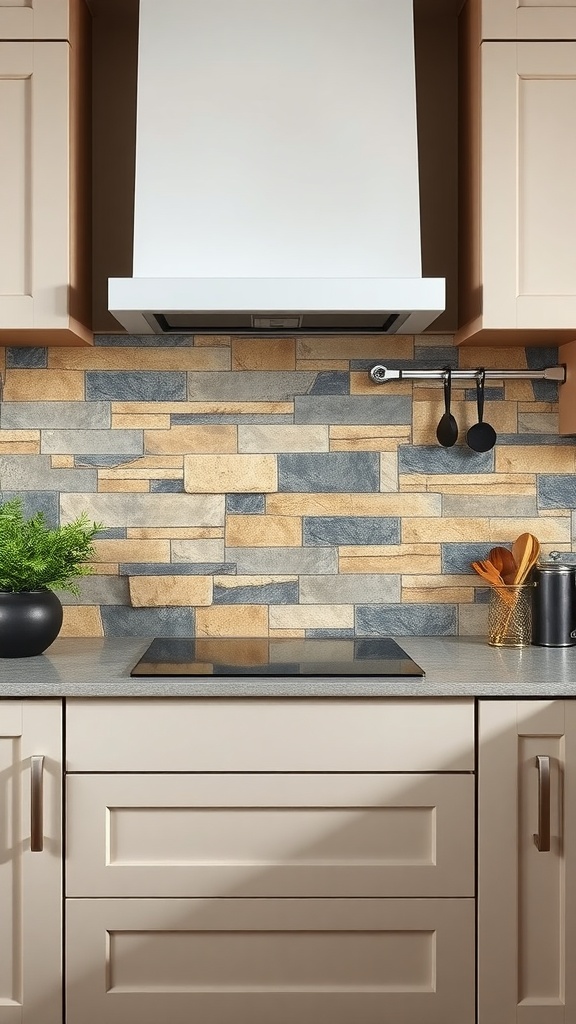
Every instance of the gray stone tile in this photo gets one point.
(430, 357)
(539, 439)
(283, 561)
(538, 423)
(538, 357)
(349, 472)
(556, 491)
(456, 557)
(136, 385)
(407, 620)
(186, 419)
(545, 390)
(248, 385)
(334, 530)
(177, 569)
(331, 382)
(103, 460)
(264, 593)
(490, 394)
(120, 621)
(435, 459)
(245, 504)
(79, 442)
(355, 409)
(129, 509)
(167, 486)
(26, 358)
(73, 415)
(100, 590)
(472, 620)
(116, 533)
(330, 634)
(488, 505)
(144, 340)
(34, 473)
(203, 549)
(36, 501)
(361, 588)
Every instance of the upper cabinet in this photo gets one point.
(517, 172)
(45, 265)
(526, 19)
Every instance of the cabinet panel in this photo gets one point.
(224, 961)
(30, 880)
(34, 19)
(270, 835)
(270, 735)
(528, 19)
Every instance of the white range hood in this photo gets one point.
(276, 171)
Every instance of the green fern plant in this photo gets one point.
(35, 557)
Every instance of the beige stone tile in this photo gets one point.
(219, 474)
(193, 439)
(104, 568)
(2, 358)
(132, 550)
(555, 512)
(141, 358)
(492, 358)
(155, 462)
(382, 444)
(174, 532)
(49, 385)
(344, 432)
(144, 421)
(378, 347)
(518, 391)
(140, 473)
(81, 620)
(322, 364)
(232, 620)
(210, 340)
(412, 482)
(446, 580)
(283, 437)
(438, 595)
(534, 458)
(434, 340)
(353, 504)
(443, 529)
(232, 582)
(406, 559)
(290, 634)
(389, 471)
(170, 591)
(271, 354)
(62, 461)
(263, 531)
(201, 550)
(362, 384)
(312, 616)
(488, 491)
(136, 486)
(19, 442)
(232, 408)
(552, 529)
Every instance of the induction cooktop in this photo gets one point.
(261, 656)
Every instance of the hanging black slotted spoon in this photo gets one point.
(447, 429)
(481, 437)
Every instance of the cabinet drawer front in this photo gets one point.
(224, 961)
(248, 735)
(34, 19)
(528, 19)
(270, 835)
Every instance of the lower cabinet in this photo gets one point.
(30, 862)
(527, 862)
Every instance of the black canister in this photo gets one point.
(554, 605)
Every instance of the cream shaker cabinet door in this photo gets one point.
(261, 961)
(30, 862)
(35, 19)
(270, 835)
(527, 19)
(527, 862)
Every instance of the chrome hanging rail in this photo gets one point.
(382, 374)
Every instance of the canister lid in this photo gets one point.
(558, 561)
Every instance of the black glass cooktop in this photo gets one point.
(258, 656)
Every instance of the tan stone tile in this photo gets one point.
(518, 391)
(378, 347)
(322, 364)
(491, 490)
(49, 385)
(174, 532)
(104, 568)
(312, 616)
(232, 408)
(201, 550)
(555, 512)
(533, 458)
(141, 358)
(290, 634)
(170, 591)
(368, 438)
(263, 531)
(444, 528)
(145, 421)
(219, 474)
(422, 559)
(62, 461)
(434, 340)
(136, 486)
(19, 442)
(553, 529)
(538, 407)
(352, 432)
(193, 439)
(255, 354)
(382, 444)
(362, 384)
(492, 358)
(131, 550)
(139, 473)
(283, 437)
(412, 482)
(232, 620)
(2, 358)
(389, 472)
(81, 620)
(446, 580)
(300, 504)
(210, 340)
(438, 595)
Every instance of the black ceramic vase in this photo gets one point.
(29, 622)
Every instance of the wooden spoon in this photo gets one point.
(503, 560)
(526, 551)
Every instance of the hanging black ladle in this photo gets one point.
(447, 429)
(481, 437)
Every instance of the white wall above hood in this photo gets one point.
(276, 170)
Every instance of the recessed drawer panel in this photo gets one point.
(254, 735)
(230, 961)
(270, 835)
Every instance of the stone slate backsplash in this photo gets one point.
(253, 487)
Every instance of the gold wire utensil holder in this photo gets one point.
(510, 616)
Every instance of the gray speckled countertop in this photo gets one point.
(454, 666)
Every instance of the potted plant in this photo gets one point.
(34, 562)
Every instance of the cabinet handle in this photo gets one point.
(542, 837)
(37, 803)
